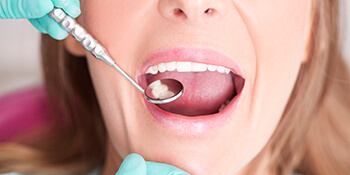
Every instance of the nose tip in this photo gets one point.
(191, 11)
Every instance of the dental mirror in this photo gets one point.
(158, 92)
(163, 91)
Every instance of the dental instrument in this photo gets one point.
(158, 92)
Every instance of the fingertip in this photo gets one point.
(37, 8)
(74, 12)
(134, 157)
(61, 3)
(133, 164)
(162, 168)
(73, 9)
(59, 35)
(46, 6)
(52, 28)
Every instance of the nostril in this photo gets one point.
(209, 11)
(179, 10)
(180, 13)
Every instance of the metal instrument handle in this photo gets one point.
(88, 42)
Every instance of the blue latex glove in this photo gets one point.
(37, 13)
(134, 164)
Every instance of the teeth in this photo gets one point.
(212, 68)
(223, 105)
(227, 71)
(166, 94)
(221, 69)
(186, 67)
(161, 67)
(170, 66)
(152, 70)
(160, 90)
(154, 84)
(198, 67)
(183, 66)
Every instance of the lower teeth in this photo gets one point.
(224, 105)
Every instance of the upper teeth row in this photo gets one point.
(185, 67)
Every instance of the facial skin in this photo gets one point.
(266, 38)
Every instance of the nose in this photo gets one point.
(190, 11)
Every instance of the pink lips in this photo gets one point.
(184, 125)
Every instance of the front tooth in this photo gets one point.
(198, 67)
(221, 69)
(212, 68)
(170, 66)
(161, 67)
(183, 66)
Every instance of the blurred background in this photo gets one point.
(20, 57)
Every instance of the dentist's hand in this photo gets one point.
(134, 164)
(37, 13)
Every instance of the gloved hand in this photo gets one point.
(134, 164)
(37, 13)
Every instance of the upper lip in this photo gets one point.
(200, 55)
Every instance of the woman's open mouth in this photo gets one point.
(212, 82)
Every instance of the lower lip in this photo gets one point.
(193, 126)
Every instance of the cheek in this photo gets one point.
(103, 78)
(279, 28)
(280, 31)
(113, 22)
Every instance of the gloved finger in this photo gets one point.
(61, 3)
(155, 168)
(53, 28)
(73, 9)
(37, 25)
(132, 164)
(15, 9)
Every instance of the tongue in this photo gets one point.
(204, 92)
